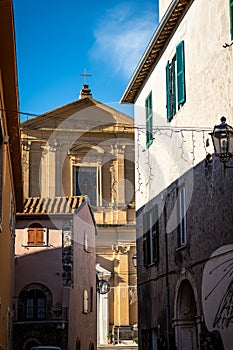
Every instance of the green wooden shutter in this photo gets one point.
(231, 18)
(149, 117)
(173, 87)
(168, 92)
(180, 73)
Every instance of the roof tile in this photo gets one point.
(53, 205)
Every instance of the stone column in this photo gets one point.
(52, 170)
(118, 175)
(121, 283)
(102, 308)
(102, 318)
(25, 164)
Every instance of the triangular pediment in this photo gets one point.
(83, 114)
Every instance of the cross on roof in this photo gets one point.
(85, 75)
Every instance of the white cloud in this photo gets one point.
(122, 35)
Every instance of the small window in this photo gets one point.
(37, 235)
(78, 344)
(150, 237)
(182, 234)
(85, 302)
(175, 82)
(149, 120)
(85, 242)
(91, 299)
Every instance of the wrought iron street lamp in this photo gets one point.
(102, 286)
(222, 137)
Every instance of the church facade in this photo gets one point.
(86, 148)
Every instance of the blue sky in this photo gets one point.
(56, 40)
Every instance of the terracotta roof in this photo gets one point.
(155, 48)
(52, 205)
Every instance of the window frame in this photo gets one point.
(182, 216)
(151, 237)
(36, 231)
(98, 192)
(149, 120)
(175, 82)
(33, 308)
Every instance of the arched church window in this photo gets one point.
(34, 302)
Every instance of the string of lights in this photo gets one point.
(158, 128)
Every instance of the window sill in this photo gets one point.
(151, 264)
(34, 245)
(182, 247)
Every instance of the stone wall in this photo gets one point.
(209, 226)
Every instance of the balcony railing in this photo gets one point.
(38, 313)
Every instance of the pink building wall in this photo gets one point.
(43, 265)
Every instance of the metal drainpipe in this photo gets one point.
(167, 299)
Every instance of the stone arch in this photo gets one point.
(186, 311)
(86, 147)
(78, 344)
(31, 342)
(91, 346)
(35, 225)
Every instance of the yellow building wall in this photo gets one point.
(6, 248)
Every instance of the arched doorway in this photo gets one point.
(185, 318)
(30, 343)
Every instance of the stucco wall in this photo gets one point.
(82, 325)
(208, 77)
(39, 264)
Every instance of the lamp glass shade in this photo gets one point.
(103, 286)
(222, 137)
(134, 260)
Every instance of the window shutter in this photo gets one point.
(39, 235)
(155, 234)
(231, 18)
(154, 242)
(168, 92)
(145, 257)
(173, 88)
(31, 236)
(149, 114)
(180, 73)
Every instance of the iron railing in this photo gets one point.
(38, 313)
